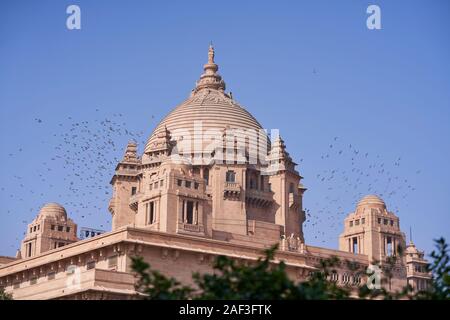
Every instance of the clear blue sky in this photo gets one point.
(310, 68)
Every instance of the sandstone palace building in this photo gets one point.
(210, 182)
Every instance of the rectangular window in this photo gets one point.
(351, 223)
(392, 222)
(34, 228)
(67, 229)
(150, 186)
(230, 176)
(133, 191)
(357, 222)
(179, 182)
(385, 221)
(151, 214)
(31, 229)
(112, 261)
(196, 185)
(389, 248)
(291, 188)
(206, 175)
(52, 227)
(161, 183)
(90, 265)
(60, 228)
(156, 185)
(190, 212)
(355, 248)
(29, 250)
(261, 186)
(39, 226)
(363, 220)
(187, 184)
(379, 220)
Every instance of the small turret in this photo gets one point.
(125, 188)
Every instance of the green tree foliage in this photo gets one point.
(4, 295)
(440, 269)
(266, 280)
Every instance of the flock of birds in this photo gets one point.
(85, 154)
(347, 174)
(76, 174)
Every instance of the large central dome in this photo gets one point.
(209, 107)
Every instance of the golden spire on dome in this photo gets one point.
(210, 79)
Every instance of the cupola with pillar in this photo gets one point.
(372, 230)
(51, 229)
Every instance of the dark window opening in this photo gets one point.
(206, 175)
(355, 248)
(133, 191)
(389, 248)
(150, 212)
(190, 212)
(29, 250)
(291, 188)
(230, 176)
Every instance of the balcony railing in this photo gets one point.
(231, 189)
(134, 200)
(259, 198)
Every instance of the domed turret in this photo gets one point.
(371, 201)
(372, 230)
(51, 229)
(53, 210)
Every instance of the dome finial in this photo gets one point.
(211, 53)
(210, 78)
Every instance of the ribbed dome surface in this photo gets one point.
(371, 201)
(53, 210)
(206, 114)
(211, 109)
